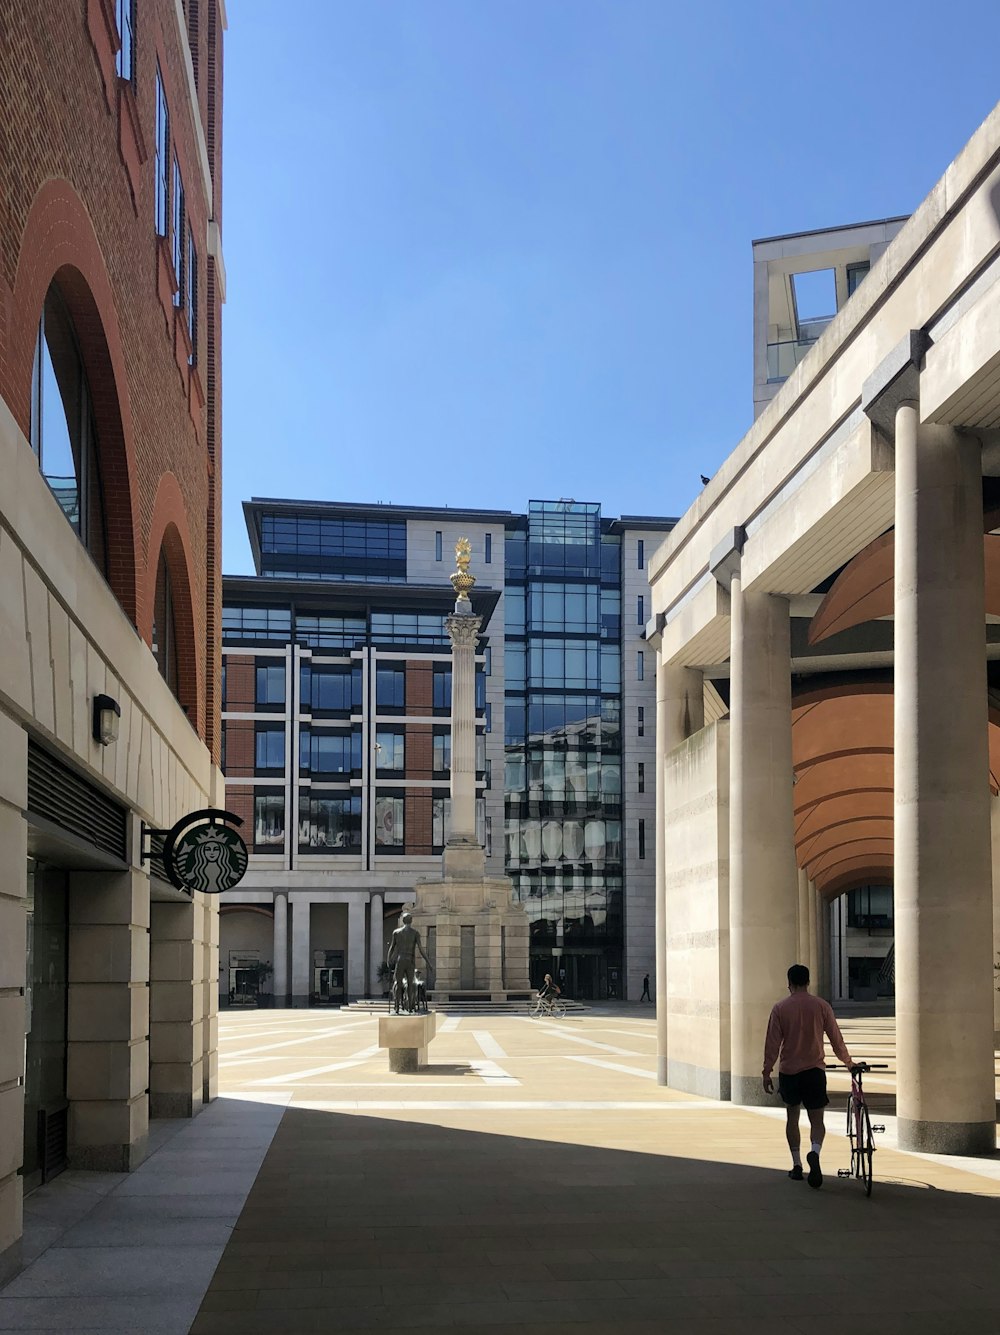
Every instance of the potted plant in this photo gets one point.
(262, 971)
(384, 975)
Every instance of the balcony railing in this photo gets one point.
(782, 358)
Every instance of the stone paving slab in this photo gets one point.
(568, 1191)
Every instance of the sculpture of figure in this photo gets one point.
(401, 960)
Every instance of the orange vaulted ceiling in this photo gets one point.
(863, 591)
(842, 753)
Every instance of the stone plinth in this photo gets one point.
(406, 1037)
(479, 941)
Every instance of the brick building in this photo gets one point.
(111, 283)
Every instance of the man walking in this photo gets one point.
(795, 1031)
(645, 989)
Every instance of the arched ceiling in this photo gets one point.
(842, 756)
(863, 591)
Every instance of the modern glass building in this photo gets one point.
(336, 712)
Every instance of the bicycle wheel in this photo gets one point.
(866, 1148)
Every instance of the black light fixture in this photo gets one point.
(107, 713)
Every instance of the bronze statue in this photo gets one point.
(401, 960)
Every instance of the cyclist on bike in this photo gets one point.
(548, 992)
(795, 1030)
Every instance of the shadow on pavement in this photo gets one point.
(359, 1222)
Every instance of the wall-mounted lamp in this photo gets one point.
(107, 713)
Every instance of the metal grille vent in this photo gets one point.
(60, 795)
(52, 1130)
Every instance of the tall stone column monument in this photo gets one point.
(474, 931)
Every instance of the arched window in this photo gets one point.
(165, 626)
(62, 427)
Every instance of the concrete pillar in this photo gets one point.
(802, 919)
(823, 946)
(995, 832)
(107, 1060)
(376, 944)
(943, 866)
(356, 947)
(812, 929)
(680, 711)
(301, 950)
(13, 891)
(763, 878)
(463, 631)
(279, 959)
(176, 1020)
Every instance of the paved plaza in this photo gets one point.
(533, 1176)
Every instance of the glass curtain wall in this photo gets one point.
(562, 739)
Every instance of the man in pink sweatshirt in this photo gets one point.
(795, 1030)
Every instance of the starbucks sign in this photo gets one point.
(203, 852)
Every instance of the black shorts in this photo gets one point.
(804, 1087)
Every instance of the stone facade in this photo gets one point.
(109, 583)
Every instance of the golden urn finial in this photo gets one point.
(461, 581)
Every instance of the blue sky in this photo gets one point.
(481, 251)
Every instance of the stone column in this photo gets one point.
(356, 961)
(463, 631)
(995, 831)
(279, 983)
(943, 865)
(107, 1060)
(176, 1020)
(802, 920)
(680, 711)
(13, 892)
(812, 927)
(822, 946)
(376, 944)
(301, 951)
(763, 878)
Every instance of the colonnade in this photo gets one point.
(942, 838)
(292, 981)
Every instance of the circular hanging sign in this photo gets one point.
(202, 854)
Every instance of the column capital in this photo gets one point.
(726, 557)
(463, 630)
(895, 380)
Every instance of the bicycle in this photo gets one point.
(552, 1007)
(860, 1131)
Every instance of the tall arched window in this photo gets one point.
(165, 626)
(62, 426)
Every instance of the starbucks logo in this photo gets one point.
(202, 854)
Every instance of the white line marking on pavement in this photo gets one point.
(450, 1024)
(614, 1066)
(492, 1074)
(498, 1105)
(589, 1042)
(355, 1059)
(252, 1053)
(490, 1047)
(626, 1033)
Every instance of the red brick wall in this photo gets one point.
(77, 207)
(241, 683)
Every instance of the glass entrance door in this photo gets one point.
(45, 1105)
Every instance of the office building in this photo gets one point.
(336, 709)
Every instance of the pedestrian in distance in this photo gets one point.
(795, 1041)
(645, 989)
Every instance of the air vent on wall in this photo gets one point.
(64, 797)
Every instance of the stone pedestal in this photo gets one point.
(480, 934)
(406, 1037)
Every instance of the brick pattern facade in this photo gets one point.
(77, 208)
